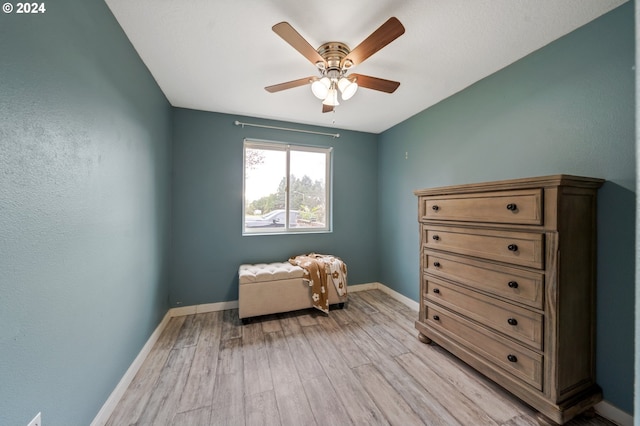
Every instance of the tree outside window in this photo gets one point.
(286, 188)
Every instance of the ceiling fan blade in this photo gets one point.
(375, 83)
(385, 34)
(327, 108)
(289, 84)
(291, 36)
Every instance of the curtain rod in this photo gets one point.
(333, 135)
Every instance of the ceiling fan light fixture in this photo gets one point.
(334, 59)
(347, 88)
(332, 98)
(320, 88)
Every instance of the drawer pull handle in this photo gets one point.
(512, 207)
(512, 321)
(436, 318)
(435, 208)
(436, 290)
(513, 284)
(436, 264)
(512, 358)
(512, 247)
(436, 237)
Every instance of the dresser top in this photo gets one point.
(521, 183)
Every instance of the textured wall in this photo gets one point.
(636, 404)
(567, 108)
(85, 139)
(84, 212)
(207, 206)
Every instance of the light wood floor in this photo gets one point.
(362, 365)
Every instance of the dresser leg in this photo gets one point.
(424, 339)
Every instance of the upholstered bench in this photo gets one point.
(270, 288)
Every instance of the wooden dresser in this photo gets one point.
(508, 274)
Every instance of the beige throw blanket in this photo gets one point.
(318, 269)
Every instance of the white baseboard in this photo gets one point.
(410, 303)
(394, 294)
(614, 414)
(362, 287)
(200, 309)
(107, 409)
(603, 408)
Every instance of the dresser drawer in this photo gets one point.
(519, 248)
(509, 356)
(515, 322)
(514, 284)
(523, 207)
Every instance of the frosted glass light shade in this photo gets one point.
(332, 98)
(320, 88)
(347, 88)
(342, 83)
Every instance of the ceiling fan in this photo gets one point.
(334, 59)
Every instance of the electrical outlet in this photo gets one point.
(37, 421)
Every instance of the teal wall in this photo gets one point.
(87, 202)
(208, 245)
(567, 108)
(84, 211)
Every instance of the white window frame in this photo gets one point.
(287, 148)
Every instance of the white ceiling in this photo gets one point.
(218, 55)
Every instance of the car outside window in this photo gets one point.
(286, 188)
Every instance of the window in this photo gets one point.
(286, 188)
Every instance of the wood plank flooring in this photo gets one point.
(362, 365)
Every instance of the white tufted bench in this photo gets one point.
(270, 288)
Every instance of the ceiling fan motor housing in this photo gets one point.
(333, 53)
